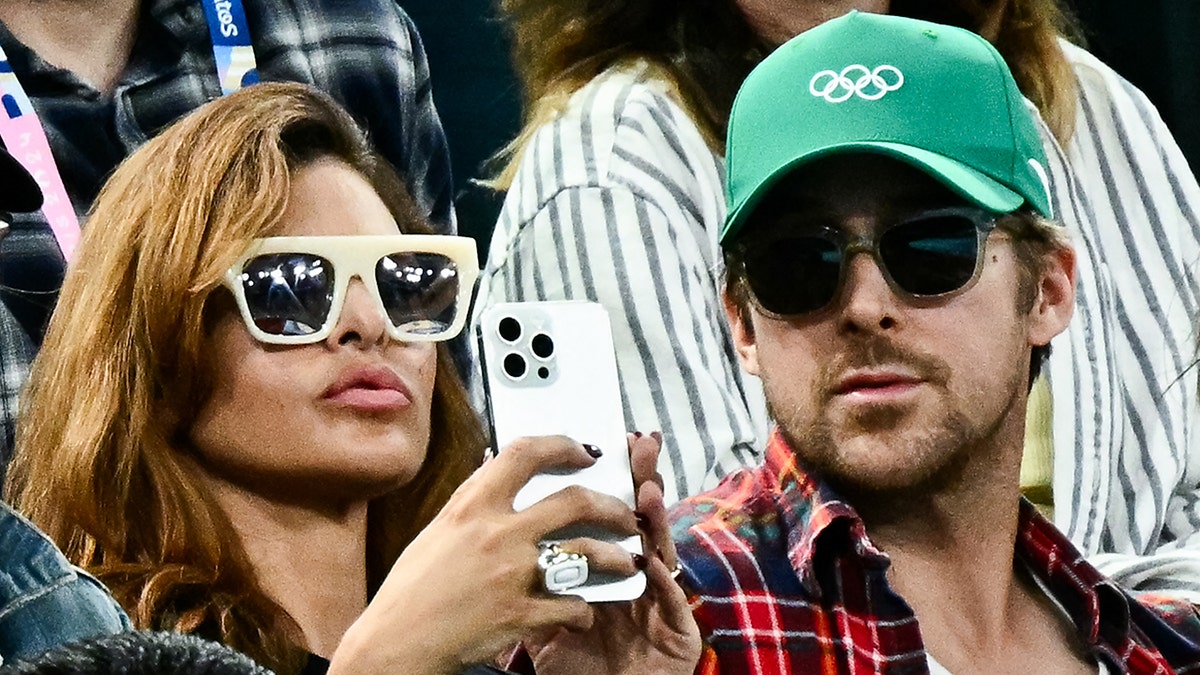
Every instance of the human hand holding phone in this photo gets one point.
(468, 586)
(550, 369)
(655, 633)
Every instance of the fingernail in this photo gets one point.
(639, 561)
(637, 434)
(592, 450)
(656, 435)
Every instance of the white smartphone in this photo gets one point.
(549, 368)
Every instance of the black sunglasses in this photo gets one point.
(932, 254)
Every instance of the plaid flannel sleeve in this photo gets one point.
(429, 163)
(16, 353)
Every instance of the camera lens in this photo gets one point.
(542, 346)
(514, 366)
(509, 329)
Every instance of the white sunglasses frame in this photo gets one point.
(355, 256)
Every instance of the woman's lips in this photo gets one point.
(369, 389)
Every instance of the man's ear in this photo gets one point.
(743, 333)
(1055, 301)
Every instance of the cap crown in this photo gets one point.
(937, 97)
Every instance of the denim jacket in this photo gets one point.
(44, 600)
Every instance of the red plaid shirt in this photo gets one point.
(783, 579)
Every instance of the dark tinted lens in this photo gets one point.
(419, 291)
(288, 293)
(794, 276)
(931, 256)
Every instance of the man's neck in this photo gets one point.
(953, 542)
(90, 38)
(952, 560)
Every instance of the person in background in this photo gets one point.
(615, 194)
(894, 281)
(19, 193)
(245, 421)
(44, 600)
(84, 84)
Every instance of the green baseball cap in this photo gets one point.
(936, 97)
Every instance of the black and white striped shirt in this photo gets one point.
(619, 200)
(1127, 459)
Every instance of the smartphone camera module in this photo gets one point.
(526, 355)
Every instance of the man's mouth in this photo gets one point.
(877, 384)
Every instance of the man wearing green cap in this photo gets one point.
(895, 281)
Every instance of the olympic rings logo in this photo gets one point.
(856, 80)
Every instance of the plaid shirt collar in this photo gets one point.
(809, 510)
(812, 512)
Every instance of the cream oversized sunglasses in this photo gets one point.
(290, 290)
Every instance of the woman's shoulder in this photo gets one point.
(23, 545)
(1118, 121)
(625, 129)
(1099, 84)
(628, 112)
(44, 600)
(632, 90)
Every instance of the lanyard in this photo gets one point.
(26, 140)
(231, 44)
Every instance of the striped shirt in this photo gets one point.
(782, 577)
(619, 201)
(1127, 451)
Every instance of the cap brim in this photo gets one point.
(970, 184)
(19, 192)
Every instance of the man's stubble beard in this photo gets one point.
(943, 451)
(943, 447)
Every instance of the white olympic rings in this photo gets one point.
(866, 83)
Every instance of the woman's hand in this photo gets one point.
(469, 585)
(653, 634)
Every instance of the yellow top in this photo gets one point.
(1037, 464)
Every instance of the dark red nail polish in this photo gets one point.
(637, 434)
(656, 435)
(639, 561)
(592, 450)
